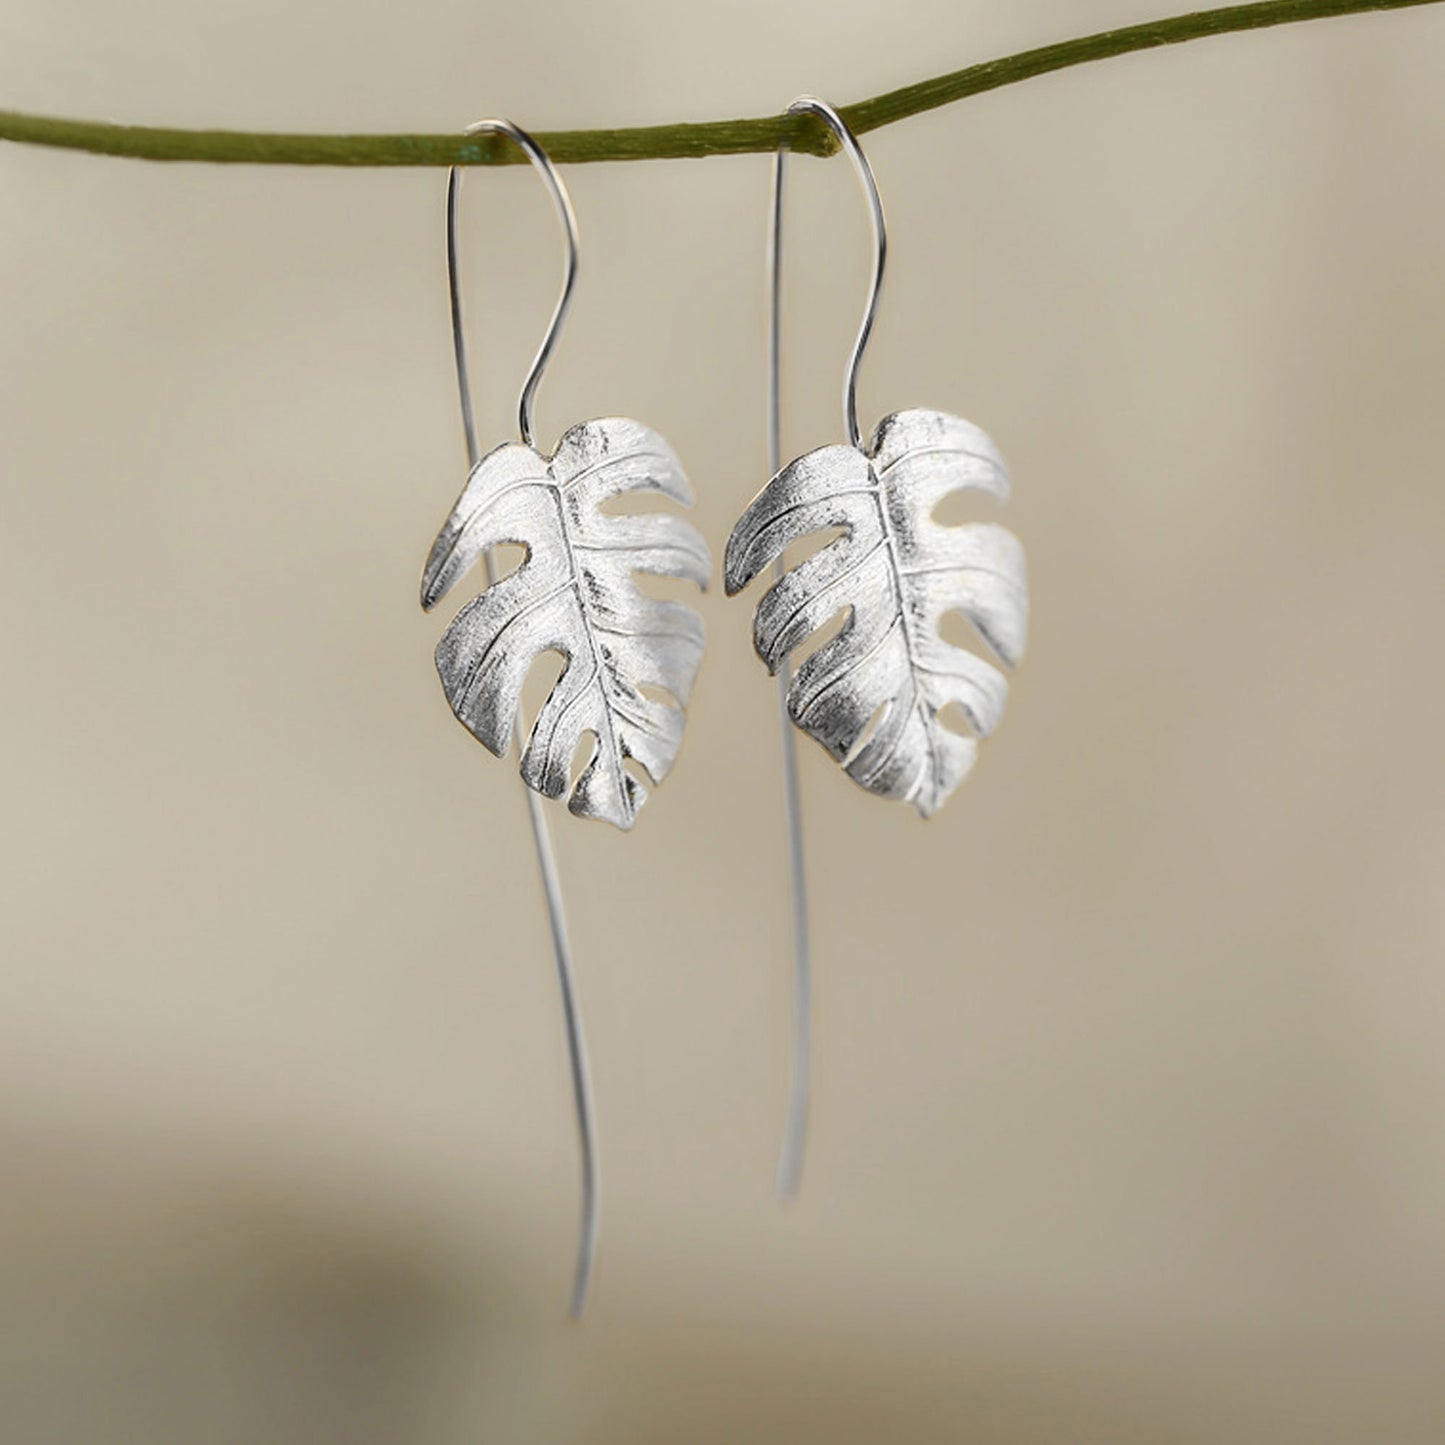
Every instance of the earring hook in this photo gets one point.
(811, 105)
(582, 1103)
(790, 1157)
(542, 163)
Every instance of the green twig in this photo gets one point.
(656, 142)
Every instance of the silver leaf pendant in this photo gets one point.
(575, 594)
(873, 694)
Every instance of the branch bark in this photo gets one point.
(659, 142)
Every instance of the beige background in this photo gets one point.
(1129, 1067)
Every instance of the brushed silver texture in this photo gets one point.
(873, 695)
(575, 594)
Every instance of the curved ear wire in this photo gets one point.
(563, 202)
(811, 105)
(790, 1159)
(546, 858)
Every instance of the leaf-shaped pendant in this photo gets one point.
(872, 695)
(575, 594)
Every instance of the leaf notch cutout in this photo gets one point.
(574, 593)
(873, 694)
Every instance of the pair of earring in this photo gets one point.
(872, 695)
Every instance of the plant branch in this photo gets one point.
(657, 142)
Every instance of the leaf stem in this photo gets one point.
(659, 142)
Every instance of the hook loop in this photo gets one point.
(811, 105)
(542, 163)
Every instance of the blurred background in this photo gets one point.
(1128, 1067)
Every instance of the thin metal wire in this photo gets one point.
(541, 836)
(563, 202)
(795, 1133)
(811, 105)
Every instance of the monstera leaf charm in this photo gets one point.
(575, 594)
(872, 695)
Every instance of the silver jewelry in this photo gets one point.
(874, 695)
(573, 594)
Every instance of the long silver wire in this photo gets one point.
(541, 836)
(795, 1132)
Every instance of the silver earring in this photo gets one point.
(573, 594)
(874, 694)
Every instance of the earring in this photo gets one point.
(574, 595)
(874, 694)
